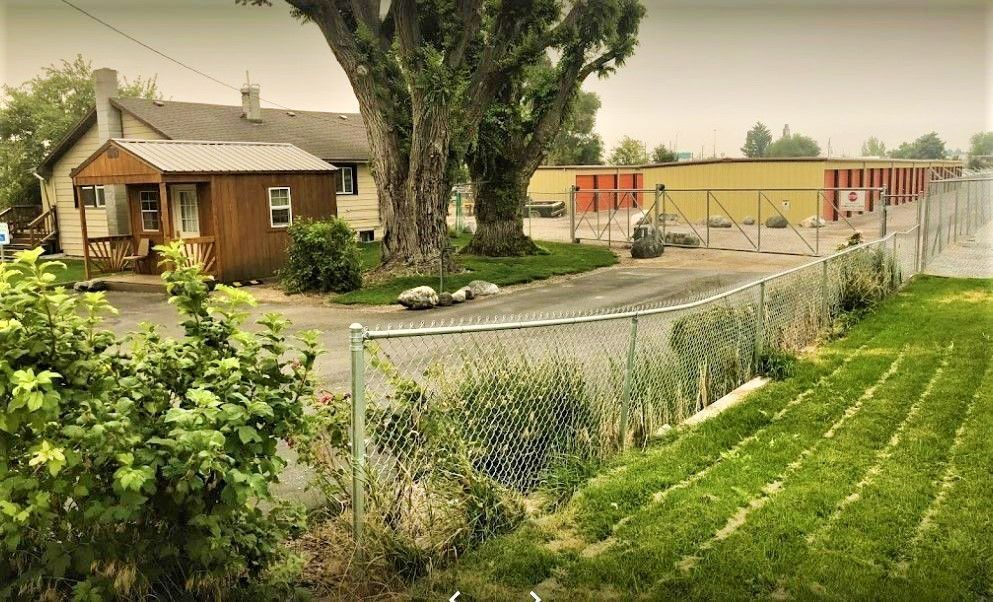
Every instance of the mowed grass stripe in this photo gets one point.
(655, 539)
(827, 468)
(955, 559)
(606, 502)
(775, 535)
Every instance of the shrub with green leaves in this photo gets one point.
(142, 466)
(323, 256)
(865, 277)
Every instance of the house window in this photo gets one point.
(92, 196)
(280, 213)
(149, 205)
(346, 180)
(367, 235)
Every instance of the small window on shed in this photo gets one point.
(280, 211)
(149, 205)
(367, 235)
(92, 196)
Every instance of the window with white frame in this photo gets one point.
(280, 212)
(92, 196)
(148, 201)
(345, 180)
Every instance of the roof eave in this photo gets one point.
(77, 132)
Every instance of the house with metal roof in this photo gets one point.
(338, 139)
(230, 203)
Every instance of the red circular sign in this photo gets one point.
(853, 196)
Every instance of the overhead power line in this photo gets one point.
(164, 55)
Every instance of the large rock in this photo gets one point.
(421, 297)
(813, 222)
(776, 221)
(681, 239)
(90, 286)
(719, 221)
(482, 288)
(465, 290)
(458, 296)
(647, 247)
(748, 221)
(645, 230)
(445, 299)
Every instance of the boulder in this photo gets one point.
(748, 221)
(421, 297)
(681, 239)
(776, 221)
(482, 288)
(645, 230)
(445, 299)
(457, 297)
(647, 247)
(813, 222)
(465, 290)
(719, 221)
(90, 286)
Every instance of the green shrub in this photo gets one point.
(141, 467)
(565, 474)
(866, 277)
(714, 348)
(777, 364)
(323, 256)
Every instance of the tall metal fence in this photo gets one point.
(954, 208)
(436, 409)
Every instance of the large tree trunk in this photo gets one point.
(501, 193)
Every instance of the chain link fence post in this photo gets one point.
(825, 304)
(357, 346)
(759, 325)
(572, 214)
(628, 383)
(884, 201)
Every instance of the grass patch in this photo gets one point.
(864, 474)
(73, 273)
(561, 259)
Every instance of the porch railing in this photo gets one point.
(202, 251)
(19, 216)
(43, 228)
(108, 253)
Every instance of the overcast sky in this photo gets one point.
(833, 69)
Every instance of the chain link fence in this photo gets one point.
(447, 419)
(954, 209)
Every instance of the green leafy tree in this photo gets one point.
(794, 145)
(629, 151)
(40, 112)
(577, 143)
(662, 154)
(593, 38)
(928, 146)
(142, 468)
(981, 151)
(757, 141)
(873, 147)
(426, 74)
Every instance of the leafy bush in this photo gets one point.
(866, 277)
(323, 256)
(143, 466)
(777, 364)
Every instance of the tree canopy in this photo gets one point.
(981, 150)
(577, 143)
(928, 146)
(873, 147)
(794, 145)
(40, 112)
(757, 141)
(629, 151)
(662, 154)
(428, 74)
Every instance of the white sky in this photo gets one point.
(838, 69)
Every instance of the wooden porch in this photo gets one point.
(31, 226)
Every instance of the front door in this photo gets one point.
(186, 209)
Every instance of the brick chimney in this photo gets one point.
(250, 103)
(109, 125)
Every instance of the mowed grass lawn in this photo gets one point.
(562, 258)
(73, 271)
(869, 474)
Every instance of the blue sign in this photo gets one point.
(4, 234)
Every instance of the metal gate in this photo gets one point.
(766, 220)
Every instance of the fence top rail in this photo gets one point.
(987, 178)
(617, 315)
(775, 189)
